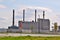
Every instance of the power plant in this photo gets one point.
(42, 25)
(39, 25)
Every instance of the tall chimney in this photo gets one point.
(13, 17)
(35, 14)
(43, 14)
(23, 15)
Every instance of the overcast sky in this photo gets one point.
(51, 8)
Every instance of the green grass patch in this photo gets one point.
(29, 38)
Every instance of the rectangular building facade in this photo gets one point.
(29, 26)
(42, 25)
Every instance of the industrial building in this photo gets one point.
(40, 26)
(13, 28)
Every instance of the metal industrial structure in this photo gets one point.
(13, 28)
(39, 26)
(42, 25)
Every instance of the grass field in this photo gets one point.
(29, 38)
